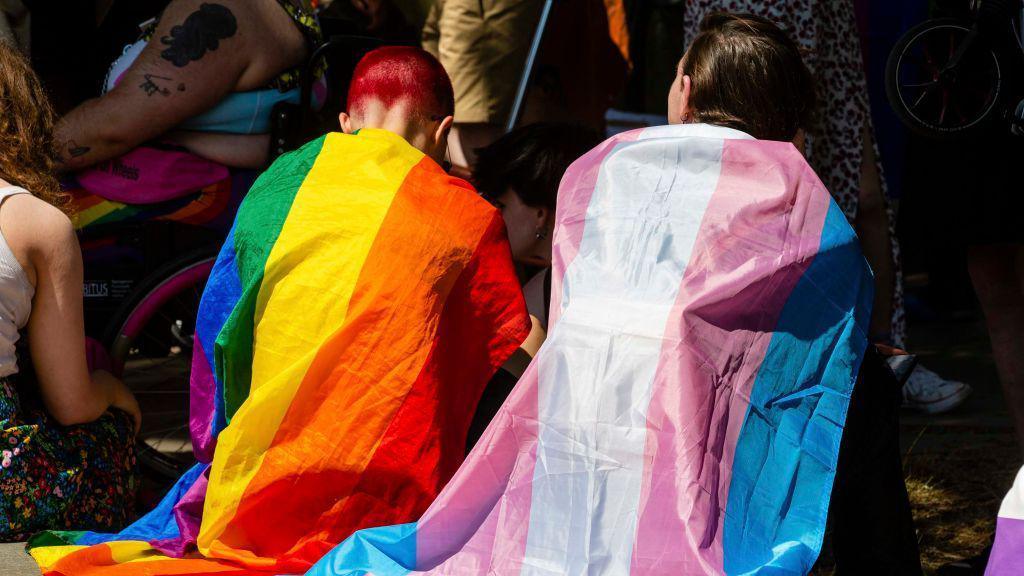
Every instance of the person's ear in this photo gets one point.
(543, 222)
(346, 123)
(441, 134)
(684, 100)
(544, 216)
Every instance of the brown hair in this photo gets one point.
(747, 73)
(27, 152)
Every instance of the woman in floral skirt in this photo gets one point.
(67, 436)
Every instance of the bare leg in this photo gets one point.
(872, 224)
(997, 272)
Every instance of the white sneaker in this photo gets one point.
(932, 394)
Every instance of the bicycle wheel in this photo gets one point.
(933, 98)
(150, 343)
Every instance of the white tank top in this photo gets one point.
(15, 296)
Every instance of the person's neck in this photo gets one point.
(410, 131)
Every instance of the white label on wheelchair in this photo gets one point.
(96, 289)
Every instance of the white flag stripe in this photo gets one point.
(1013, 503)
(641, 226)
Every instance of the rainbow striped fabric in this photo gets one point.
(211, 206)
(1007, 555)
(709, 312)
(356, 312)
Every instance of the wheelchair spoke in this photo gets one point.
(157, 369)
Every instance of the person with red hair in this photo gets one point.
(348, 260)
(405, 91)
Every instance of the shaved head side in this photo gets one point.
(395, 75)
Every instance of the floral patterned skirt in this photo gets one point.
(54, 477)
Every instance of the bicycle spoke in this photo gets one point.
(920, 85)
(920, 61)
(928, 57)
(920, 99)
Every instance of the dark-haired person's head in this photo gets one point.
(404, 90)
(744, 72)
(520, 173)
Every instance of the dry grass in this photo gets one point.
(956, 480)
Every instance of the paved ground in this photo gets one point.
(14, 561)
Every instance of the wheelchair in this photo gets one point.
(146, 266)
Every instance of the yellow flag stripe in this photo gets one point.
(303, 299)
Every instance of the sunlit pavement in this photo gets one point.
(15, 562)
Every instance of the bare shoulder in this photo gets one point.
(32, 225)
(259, 32)
(36, 213)
(223, 17)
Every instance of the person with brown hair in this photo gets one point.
(840, 145)
(744, 72)
(756, 99)
(69, 462)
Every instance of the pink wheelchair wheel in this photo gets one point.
(150, 343)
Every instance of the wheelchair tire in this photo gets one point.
(149, 339)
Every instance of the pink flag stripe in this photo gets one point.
(693, 429)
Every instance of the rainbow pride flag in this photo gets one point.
(1007, 557)
(709, 312)
(358, 308)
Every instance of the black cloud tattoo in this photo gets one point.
(200, 33)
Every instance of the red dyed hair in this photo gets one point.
(393, 74)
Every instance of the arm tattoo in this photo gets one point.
(74, 150)
(153, 84)
(200, 33)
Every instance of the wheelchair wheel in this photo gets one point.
(933, 98)
(150, 343)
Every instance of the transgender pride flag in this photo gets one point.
(709, 308)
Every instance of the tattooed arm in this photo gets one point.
(201, 51)
(237, 150)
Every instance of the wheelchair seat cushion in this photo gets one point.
(150, 174)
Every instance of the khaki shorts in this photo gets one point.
(483, 46)
(14, 24)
